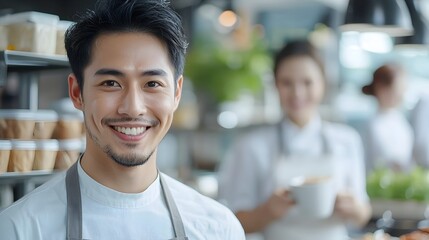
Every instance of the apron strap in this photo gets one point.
(74, 207)
(74, 204)
(284, 147)
(327, 148)
(176, 219)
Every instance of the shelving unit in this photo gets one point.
(28, 64)
(23, 182)
(16, 177)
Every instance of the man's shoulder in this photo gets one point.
(184, 194)
(202, 215)
(39, 212)
(203, 212)
(41, 199)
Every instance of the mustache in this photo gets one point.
(145, 121)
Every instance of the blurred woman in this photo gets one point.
(389, 136)
(255, 177)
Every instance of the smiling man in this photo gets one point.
(127, 60)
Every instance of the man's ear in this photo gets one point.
(74, 92)
(178, 92)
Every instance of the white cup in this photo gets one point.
(315, 196)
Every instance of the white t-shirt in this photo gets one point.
(108, 214)
(389, 141)
(246, 175)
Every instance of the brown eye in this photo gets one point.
(153, 84)
(110, 83)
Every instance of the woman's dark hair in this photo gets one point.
(384, 76)
(298, 48)
(110, 16)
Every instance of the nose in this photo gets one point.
(132, 103)
(297, 91)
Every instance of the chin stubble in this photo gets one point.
(128, 160)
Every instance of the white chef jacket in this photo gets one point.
(420, 125)
(108, 214)
(389, 141)
(246, 175)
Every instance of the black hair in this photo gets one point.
(297, 48)
(109, 16)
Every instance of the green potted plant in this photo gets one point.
(221, 71)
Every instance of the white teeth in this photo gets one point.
(130, 131)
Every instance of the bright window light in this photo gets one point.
(227, 119)
(351, 53)
(376, 42)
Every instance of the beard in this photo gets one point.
(126, 160)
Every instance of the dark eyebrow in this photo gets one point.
(155, 72)
(114, 72)
(108, 71)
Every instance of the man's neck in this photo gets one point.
(120, 178)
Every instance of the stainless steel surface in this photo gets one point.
(22, 183)
(27, 63)
(17, 177)
(30, 59)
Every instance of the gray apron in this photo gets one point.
(287, 166)
(74, 207)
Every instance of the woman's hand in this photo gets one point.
(279, 203)
(275, 207)
(348, 207)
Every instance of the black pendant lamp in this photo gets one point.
(420, 38)
(386, 16)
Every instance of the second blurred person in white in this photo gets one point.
(389, 136)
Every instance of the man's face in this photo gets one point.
(129, 96)
(300, 84)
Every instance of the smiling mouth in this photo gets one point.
(131, 131)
